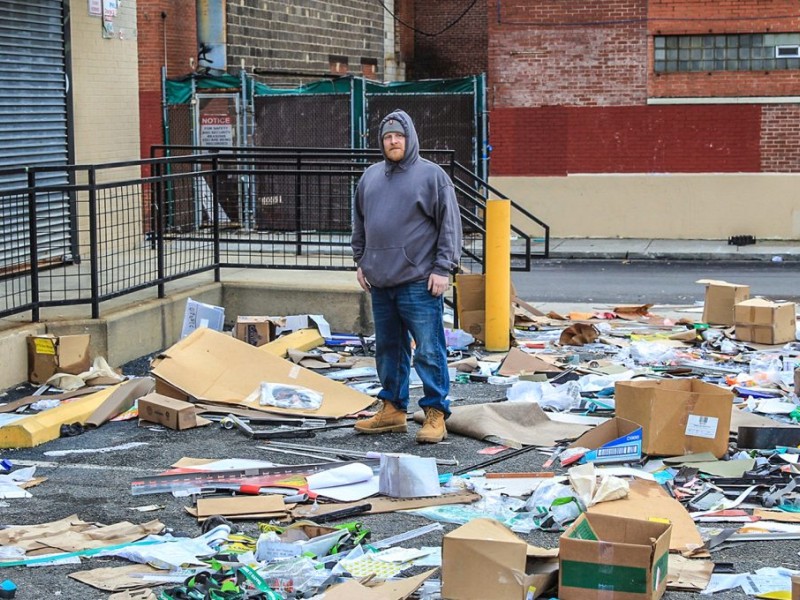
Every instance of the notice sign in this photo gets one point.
(216, 130)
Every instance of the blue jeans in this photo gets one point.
(401, 312)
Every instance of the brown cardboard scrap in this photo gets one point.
(381, 504)
(303, 339)
(121, 400)
(578, 334)
(50, 354)
(632, 311)
(27, 536)
(99, 536)
(145, 594)
(518, 361)
(688, 574)
(399, 589)
(28, 400)
(777, 515)
(114, 579)
(213, 367)
(240, 505)
(513, 422)
(646, 500)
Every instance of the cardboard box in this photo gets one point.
(721, 297)
(484, 559)
(51, 354)
(200, 314)
(795, 587)
(166, 411)
(255, 331)
(471, 305)
(616, 440)
(678, 416)
(765, 322)
(604, 557)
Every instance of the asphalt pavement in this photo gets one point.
(96, 487)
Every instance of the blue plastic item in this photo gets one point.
(8, 589)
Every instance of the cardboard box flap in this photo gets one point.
(721, 283)
(487, 530)
(214, 367)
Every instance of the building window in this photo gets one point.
(733, 52)
(338, 64)
(369, 67)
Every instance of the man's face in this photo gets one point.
(394, 146)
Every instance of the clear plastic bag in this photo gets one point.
(289, 396)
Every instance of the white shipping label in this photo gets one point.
(704, 427)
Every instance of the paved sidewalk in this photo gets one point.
(651, 249)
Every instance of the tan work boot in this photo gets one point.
(433, 430)
(389, 419)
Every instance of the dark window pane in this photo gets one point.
(708, 41)
(744, 65)
(696, 41)
(660, 66)
(733, 41)
(659, 41)
(719, 65)
(683, 54)
(708, 53)
(769, 64)
(793, 63)
(731, 65)
(744, 52)
(719, 53)
(696, 54)
(719, 41)
(745, 40)
(757, 65)
(731, 53)
(684, 42)
(780, 63)
(672, 66)
(757, 39)
(672, 55)
(672, 42)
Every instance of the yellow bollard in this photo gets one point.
(498, 275)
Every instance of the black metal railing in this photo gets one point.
(118, 228)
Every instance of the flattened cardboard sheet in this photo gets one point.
(214, 367)
(515, 422)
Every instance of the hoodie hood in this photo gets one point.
(412, 141)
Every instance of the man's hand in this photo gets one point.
(438, 284)
(362, 281)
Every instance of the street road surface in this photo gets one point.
(650, 281)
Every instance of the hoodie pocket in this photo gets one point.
(386, 267)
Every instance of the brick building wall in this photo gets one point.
(569, 54)
(780, 138)
(169, 40)
(699, 17)
(572, 89)
(459, 51)
(273, 35)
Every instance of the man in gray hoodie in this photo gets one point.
(406, 242)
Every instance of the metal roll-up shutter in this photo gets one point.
(33, 127)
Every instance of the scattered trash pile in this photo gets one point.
(658, 442)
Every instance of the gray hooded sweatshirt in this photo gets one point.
(406, 224)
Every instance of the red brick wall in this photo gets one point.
(569, 84)
(180, 27)
(674, 17)
(634, 139)
(567, 53)
(457, 52)
(780, 138)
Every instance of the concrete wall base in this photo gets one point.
(146, 327)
